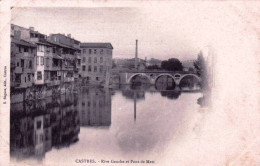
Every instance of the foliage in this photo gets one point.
(201, 70)
(153, 67)
(192, 70)
(172, 64)
(114, 64)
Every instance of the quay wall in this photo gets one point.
(39, 92)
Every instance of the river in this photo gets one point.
(112, 124)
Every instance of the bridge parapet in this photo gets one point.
(126, 77)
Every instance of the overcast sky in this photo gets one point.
(164, 30)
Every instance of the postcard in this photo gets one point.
(117, 83)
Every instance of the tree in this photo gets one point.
(172, 64)
(201, 70)
(153, 67)
(114, 64)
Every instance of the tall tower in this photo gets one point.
(136, 54)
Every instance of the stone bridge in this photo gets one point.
(153, 76)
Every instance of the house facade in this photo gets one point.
(43, 66)
(96, 61)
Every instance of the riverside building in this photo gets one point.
(96, 62)
(43, 66)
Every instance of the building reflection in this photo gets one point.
(171, 94)
(94, 107)
(133, 94)
(38, 126)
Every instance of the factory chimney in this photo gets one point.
(136, 54)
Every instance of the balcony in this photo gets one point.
(18, 70)
(52, 67)
(68, 67)
(53, 83)
(28, 70)
(22, 84)
(68, 79)
(56, 68)
(76, 76)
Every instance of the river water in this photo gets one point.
(115, 124)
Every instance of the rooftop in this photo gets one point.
(22, 42)
(61, 45)
(96, 45)
(59, 34)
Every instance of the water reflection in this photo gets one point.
(94, 107)
(39, 126)
(171, 94)
(36, 127)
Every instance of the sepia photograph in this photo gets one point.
(135, 83)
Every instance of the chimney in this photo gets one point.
(31, 28)
(136, 54)
(69, 35)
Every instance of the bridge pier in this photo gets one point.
(177, 88)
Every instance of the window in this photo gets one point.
(53, 50)
(83, 68)
(29, 77)
(95, 59)
(95, 68)
(25, 49)
(22, 63)
(39, 75)
(97, 78)
(101, 59)
(30, 64)
(17, 64)
(101, 51)
(84, 59)
(39, 124)
(40, 48)
(84, 51)
(20, 49)
(18, 78)
(24, 79)
(47, 62)
(48, 49)
(101, 68)
(95, 51)
(89, 51)
(42, 61)
(89, 68)
(89, 60)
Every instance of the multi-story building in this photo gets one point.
(23, 56)
(96, 61)
(43, 66)
(39, 39)
(69, 50)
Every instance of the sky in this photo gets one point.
(163, 30)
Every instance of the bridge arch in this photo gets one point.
(187, 75)
(161, 75)
(164, 74)
(141, 74)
